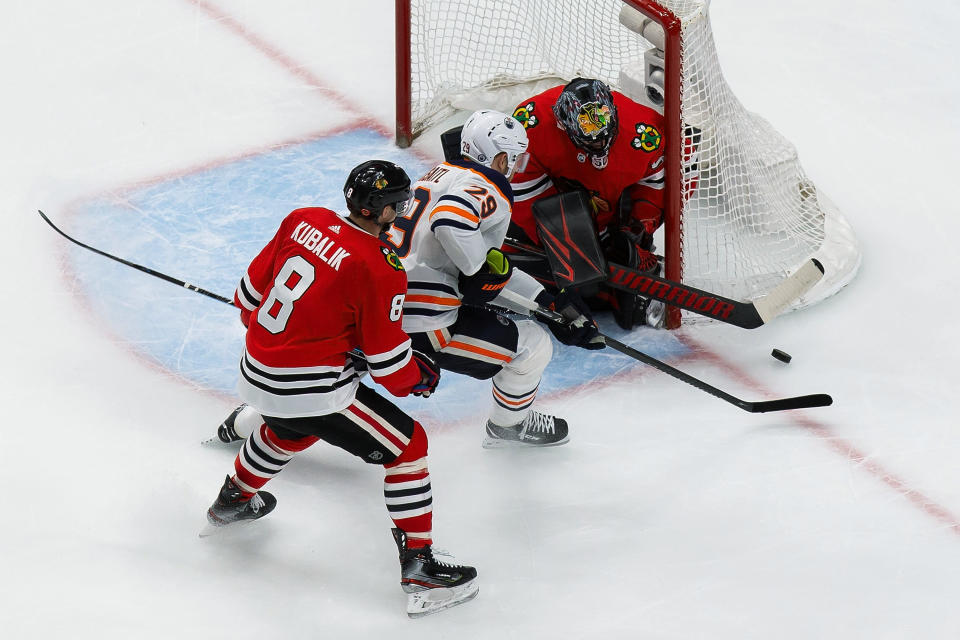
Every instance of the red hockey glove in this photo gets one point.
(429, 374)
(639, 213)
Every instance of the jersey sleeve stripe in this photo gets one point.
(379, 363)
(463, 213)
(463, 201)
(386, 368)
(534, 190)
(247, 295)
(452, 223)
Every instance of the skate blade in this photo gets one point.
(217, 442)
(497, 443)
(430, 601)
(211, 529)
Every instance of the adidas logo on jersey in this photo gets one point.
(334, 228)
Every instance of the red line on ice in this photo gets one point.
(839, 445)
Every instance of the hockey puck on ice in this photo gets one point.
(782, 356)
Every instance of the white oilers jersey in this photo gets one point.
(460, 210)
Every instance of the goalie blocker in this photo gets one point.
(571, 248)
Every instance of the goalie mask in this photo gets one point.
(586, 111)
(375, 184)
(488, 133)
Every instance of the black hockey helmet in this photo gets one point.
(586, 111)
(375, 184)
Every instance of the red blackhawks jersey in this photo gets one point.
(635, 162)
(322, 287)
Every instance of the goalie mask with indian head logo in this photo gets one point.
(586, 111)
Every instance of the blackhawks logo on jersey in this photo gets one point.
(525, 116)
(648, 138)
(392, 259)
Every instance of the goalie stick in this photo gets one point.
(762, 406)
(747, 315)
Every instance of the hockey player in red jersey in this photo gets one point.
(323, 287)
(585, 136)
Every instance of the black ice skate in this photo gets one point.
(536, 430)
(226, 432)
(228, 508)
(432, 585)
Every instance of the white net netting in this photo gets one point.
(753, 216)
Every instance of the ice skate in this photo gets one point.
(229, 509)
(227, 432)
(536, 430)
(432, 585)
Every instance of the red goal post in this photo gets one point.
(747, 218)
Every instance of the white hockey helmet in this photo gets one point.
(487, 133)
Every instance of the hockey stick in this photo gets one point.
(763, 406)
(747, 315)
(139, 267)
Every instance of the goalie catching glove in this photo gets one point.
(487, 283)
(579, 328)
(429, 374)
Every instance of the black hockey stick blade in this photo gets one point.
(139, 267)
(764, 406)
(786, 404)
(569, 239)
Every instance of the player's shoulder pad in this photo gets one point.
(488, 175)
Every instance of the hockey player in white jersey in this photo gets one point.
(449, 241)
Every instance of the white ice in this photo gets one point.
(669, 515)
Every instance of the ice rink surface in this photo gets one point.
(178, 133)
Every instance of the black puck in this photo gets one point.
(782, 356)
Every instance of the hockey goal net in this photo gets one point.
(737, 223)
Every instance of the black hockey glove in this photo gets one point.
(429, 374)
(486, 284)
(579, 330)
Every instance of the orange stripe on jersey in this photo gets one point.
(447, 302)
(484, 352)
(485, 179)
(441, 340)
(463, 213)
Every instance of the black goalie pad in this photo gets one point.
(566, 231)
(450, 141)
